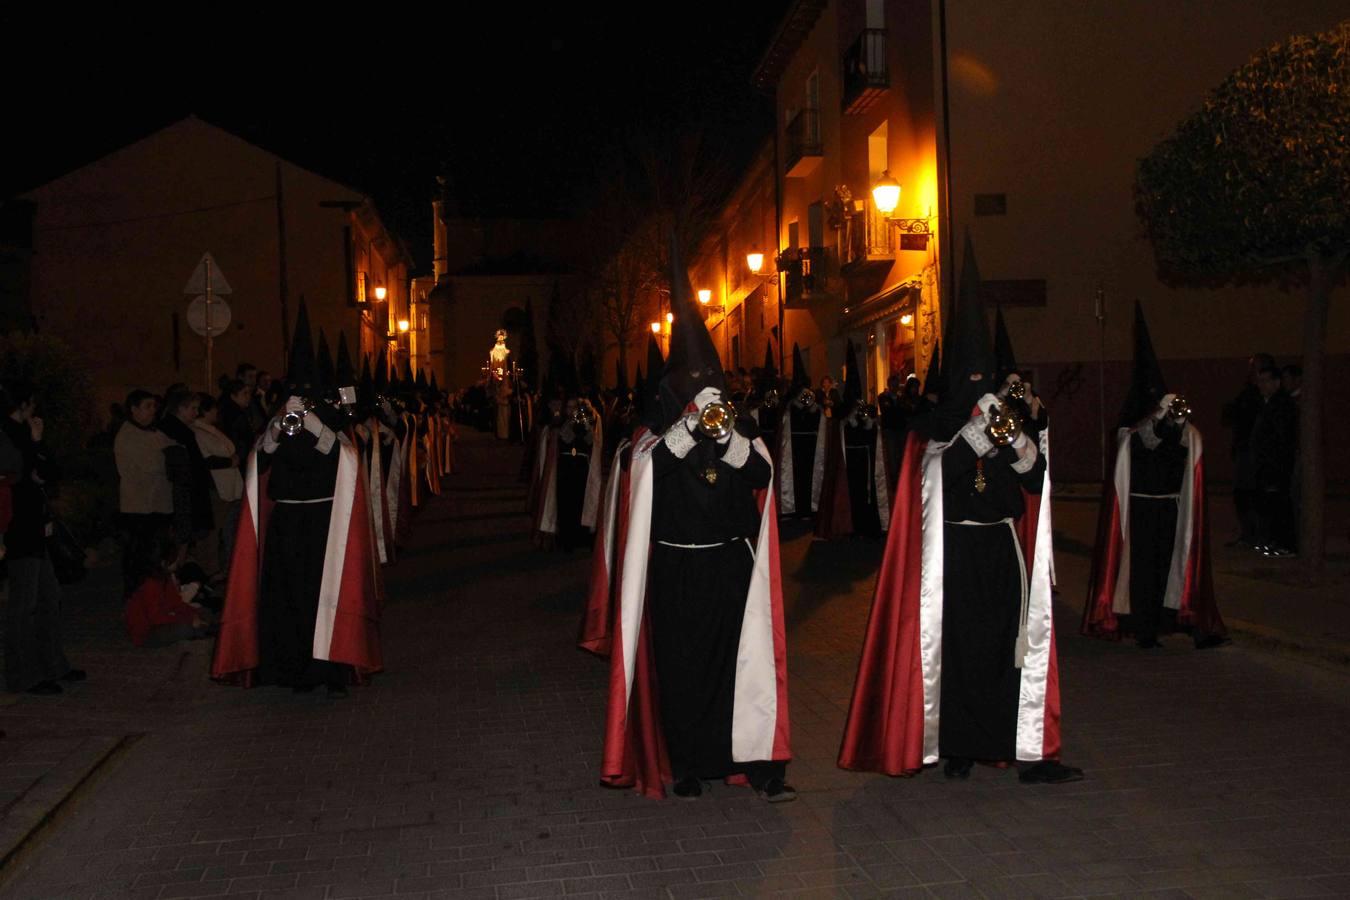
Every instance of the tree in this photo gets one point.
(1253, 188)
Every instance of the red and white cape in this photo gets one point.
(893, 719)
(635, 753)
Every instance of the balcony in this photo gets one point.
(865, 77)
(806, 276)
(804, 148)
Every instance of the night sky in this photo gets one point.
(520, 108)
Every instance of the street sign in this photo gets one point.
(197, 284)
(220, 314)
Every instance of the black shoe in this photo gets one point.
(75, 675)
(1148, 643)
(776, 790)
(958, 767)
(337, 691)
(688, 788)
(46, 689)
(1048, 771)
(1210, 641)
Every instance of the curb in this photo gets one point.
(44, 802)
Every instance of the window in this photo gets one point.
(813, 104)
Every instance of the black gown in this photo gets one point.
(982, 599)
(301, 482)
(860, 451)
(1155, 481)
(574, 463)
(696, 600)
(805, 425)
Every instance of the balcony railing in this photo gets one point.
(865, 75)
(804, 148)
(806, 273)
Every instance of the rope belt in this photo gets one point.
(1023, 639)
(575, 452)
(1156, 496)
(746, 541)
(299, 502)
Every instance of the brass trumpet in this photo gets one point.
(292, 423)
(1004, 424)
(806, 397)
(1017, 390)
(770, 399)
(583, 416)
(1178, 410)
(717, 420)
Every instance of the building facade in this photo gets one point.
(1019, 123)
(115, 242)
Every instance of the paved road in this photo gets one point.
(469, 769)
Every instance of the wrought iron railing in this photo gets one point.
(803, 136)
(865, 74)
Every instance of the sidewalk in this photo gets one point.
(1262, 600)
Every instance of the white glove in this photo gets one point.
(295, 405)
(1163, 405)
(986, 403)
(313, 425)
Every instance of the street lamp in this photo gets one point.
(704, 296)
(403, 326)
(656, 328)
(907, 320)
(670, 318)
(755, 261)
(886, 195)
(380, 293)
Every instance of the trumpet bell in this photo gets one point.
(717, 420)
(292, 423)
(1179, 410)
(1004, 425)
(1017, 390)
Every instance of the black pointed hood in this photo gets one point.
(407, 386)
(853, 388)
(933, 382)
(420, 382)
(365, 388)
(620, 378)
(801, 379)
(649, 400)
(435, 389)
(769, 376)
(968, 352)
(345, 372)
(693, 364)
(323, 361)
(302, 377)
(1147, 385)
(382, 373)
(1005, 359)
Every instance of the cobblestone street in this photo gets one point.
(470, 768)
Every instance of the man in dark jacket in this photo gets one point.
(34, 660)
(1273, 452)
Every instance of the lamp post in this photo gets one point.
(886, 194)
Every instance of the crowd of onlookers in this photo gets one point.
(1264, 420)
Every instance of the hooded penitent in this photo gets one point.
(324, 363)
(344, 370)
(1147, 385)
(693, 364)
(801, 380)
(933, 383)
(853, 392)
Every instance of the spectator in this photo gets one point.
(1240, 415)
(180, 410)
(235, 420)
(161, 611)
(145, 494)
(34, 659)
(1291, 379)
(1272, 449)
(222, 462)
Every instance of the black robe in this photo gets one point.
(805, 425)
(292, 569)
(696, 599)
(983, 580)
(860, 452)
(1155, 480)
(574, 465)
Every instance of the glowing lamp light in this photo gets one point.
(705, 296)
(404, 325)
(886, 193)
(381, 293)
(656, 328)
(907, 320)
(755, 261)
